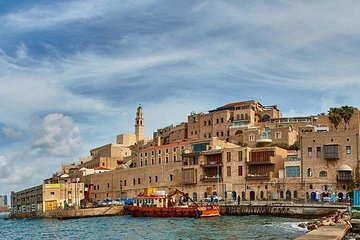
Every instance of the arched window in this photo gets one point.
(309, 172)
(311, 186)
(239, 132)
(265, 118)
(246, 116)
(288, 195)
(323, 174)
(242, 116)
(281, 194)
(252, 195)
(194, 196)
(243, 195)
(261, 194)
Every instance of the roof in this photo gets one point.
(101, 168)
(163, 146)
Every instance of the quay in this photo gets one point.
(282, 209)
(326, 233)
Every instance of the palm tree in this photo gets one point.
(346, 114)
(335, 116)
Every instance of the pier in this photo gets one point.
(326, 232)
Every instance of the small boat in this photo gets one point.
(158, 204)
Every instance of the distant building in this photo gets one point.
(3, 200)
(47, 197)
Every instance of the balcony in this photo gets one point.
(263, 139)
(240, 123)
(211, 179)
(344, 178)
(331, 152)
(211, 164)
(260, 163)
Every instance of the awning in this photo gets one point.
(345, 168)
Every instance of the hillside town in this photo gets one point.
(242, 151)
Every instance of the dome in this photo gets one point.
(345, 168)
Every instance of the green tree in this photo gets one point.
(335, 116)
(346, 113)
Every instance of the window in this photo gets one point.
(222, 133)
(108, 185)
(240, 170)
(228, 156)
(156, 178)
(277, 135)
(134, 181)
(209, 122)
(222, 120)
(292, 171)
(240, 156)
(348, 149)
(217, 120)
(171, 177)
(251, 137)
(309, 172)
(138, 180)
(204, 123)
(125, 183)
(152, 161)
(149, 179)
(318, 152)
(228, 171)
(167, 159)
(309, 152)
(146, 162)
(174, 157)
(159, 160)
(246, 116)
(323, 174)
(52, 193)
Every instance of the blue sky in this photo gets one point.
(73, 72)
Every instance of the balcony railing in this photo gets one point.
(344, 178)
(265, 176)
(210, 178)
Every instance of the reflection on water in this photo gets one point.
(126, 227)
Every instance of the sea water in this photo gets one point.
(127, 227)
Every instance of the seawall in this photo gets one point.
(300, 210)
(76, 213)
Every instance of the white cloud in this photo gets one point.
(21, 51)
(58, 136)
(9, 174)
(11, 133)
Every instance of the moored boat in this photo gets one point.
(158, 204)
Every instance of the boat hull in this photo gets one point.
(195, 212)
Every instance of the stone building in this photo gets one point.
(107, 156)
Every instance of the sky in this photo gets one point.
(72, 73)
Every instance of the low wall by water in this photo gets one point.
(280, 210)
(77, 213)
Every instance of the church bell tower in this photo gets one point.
(139, 124)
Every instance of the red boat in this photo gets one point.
(158, 204)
